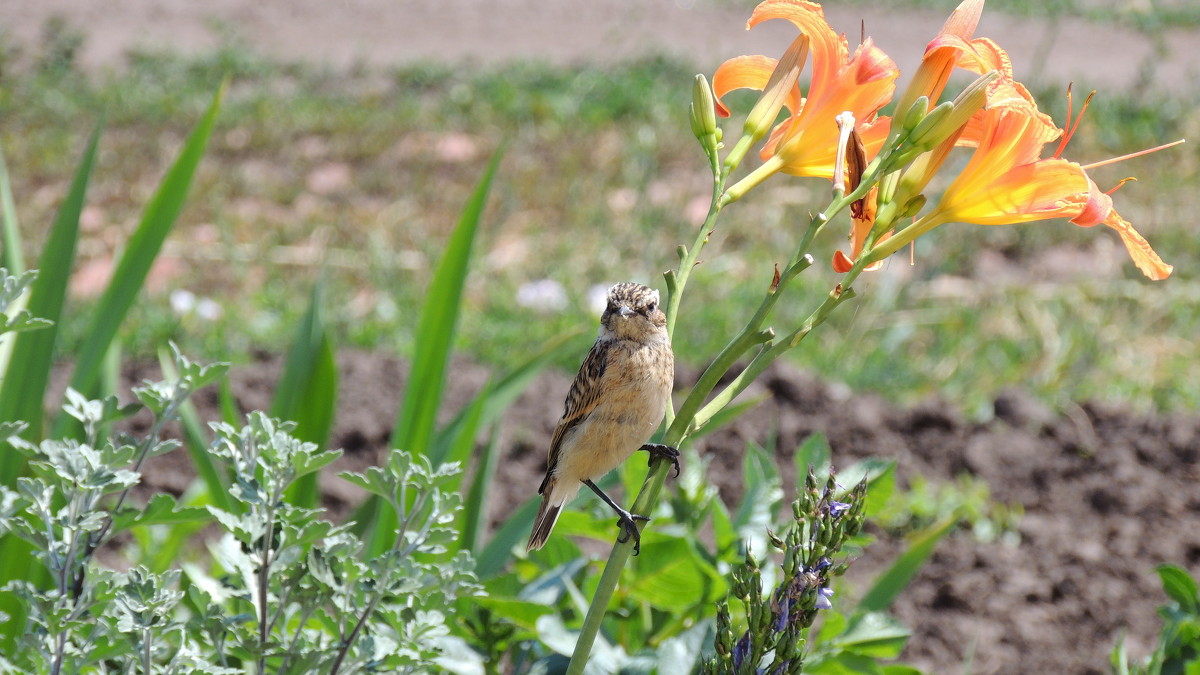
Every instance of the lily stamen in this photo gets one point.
(1139, 153)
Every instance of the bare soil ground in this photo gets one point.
(1107, 496)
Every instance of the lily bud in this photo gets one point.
(930, 124)
(697, 125)
(969, 101)
(703, 108)
(915, 114)
(913, 207)
(774, 95)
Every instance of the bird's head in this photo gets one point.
(633, 313)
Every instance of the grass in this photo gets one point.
(358, 178)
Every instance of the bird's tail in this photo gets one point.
(547, 516)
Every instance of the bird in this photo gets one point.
(613, 407)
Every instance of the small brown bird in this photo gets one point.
(617, 401)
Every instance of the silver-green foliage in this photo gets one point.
(284, 591)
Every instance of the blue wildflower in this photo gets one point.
(785, 612)
(823, 596)
(836, 508)
(741, 650)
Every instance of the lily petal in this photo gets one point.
(1139, 249)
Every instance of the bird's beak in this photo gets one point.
(625, 311)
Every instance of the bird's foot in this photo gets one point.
(629, 528)
(660, 451)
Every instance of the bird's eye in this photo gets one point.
(651, 307)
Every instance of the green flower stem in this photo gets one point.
(691, 415)
(771, 352)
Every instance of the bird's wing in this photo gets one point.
(581, 400)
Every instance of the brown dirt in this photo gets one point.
(1107, 496)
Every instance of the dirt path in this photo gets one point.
(382, 32)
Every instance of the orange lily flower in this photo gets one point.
(1005, 182)
(806, 143)
(1097, 206)
(941, 56)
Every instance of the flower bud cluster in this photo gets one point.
(774, 637)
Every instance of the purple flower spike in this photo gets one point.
(741, 650)
(823, 596)
(785, 612)
(837, 509)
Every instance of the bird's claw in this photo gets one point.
(628, 524)
(658, 450)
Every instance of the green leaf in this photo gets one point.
(756, 511)
(724, 534)
(881, 481)
(844, 664)
(228, 402)
(1119, 658)
(681, 653)
(435, 334)
(513, 532)
(1180, 587)
(873, 634)
(373, 480)
(438, 324)
(14, 259)
(892, 581)
(24, 388)
(462, 444)
(672, 575)
(160, 510)
(307, 391)
(140, 251)
(474, 513)
(495, 399)
(214, 477)
(813, 453)
(308, 463)
(521, 612)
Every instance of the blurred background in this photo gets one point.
(353, 132)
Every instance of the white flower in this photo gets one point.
(183, 302)
(545, 295)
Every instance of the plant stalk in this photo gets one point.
(691, 413)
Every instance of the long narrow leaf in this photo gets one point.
(24, 386)
(228, 404)
(14, 258)
(474, 513)
(435, 334)
(307, 391)
(197, 445)
(143, 247)
(462, 445)
(28, 371)
(495, 399)
(897, 577)
(515, 530)
(435, 329)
